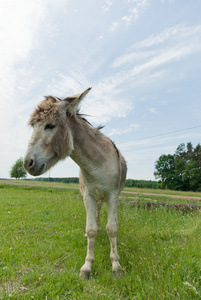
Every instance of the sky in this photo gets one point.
(142, 59)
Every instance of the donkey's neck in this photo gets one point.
(89, 152)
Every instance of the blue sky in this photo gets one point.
(141, 57)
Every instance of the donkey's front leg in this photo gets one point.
(98, 210)
(91, 232)
(112, 229)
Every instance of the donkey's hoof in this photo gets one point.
(119, 273)
(84, 275)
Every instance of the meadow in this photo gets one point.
(42, 247)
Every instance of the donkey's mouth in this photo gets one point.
(36, 172)
(41, 170)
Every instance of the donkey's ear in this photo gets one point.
(71, 103)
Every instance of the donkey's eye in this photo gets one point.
(49, 126)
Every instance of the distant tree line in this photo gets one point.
(57, 179)
(149, 184)
(182, 170)
(129, 182)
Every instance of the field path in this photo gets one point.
(165, 195)
(125, 192)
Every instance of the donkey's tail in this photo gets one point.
(122, 168)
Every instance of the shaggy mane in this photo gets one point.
(48, 112)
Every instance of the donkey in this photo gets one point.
(59, 130)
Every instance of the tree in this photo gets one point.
(181, 171)
(189, 151)
(197, 156)
(191, 176)
(165, 170)
(180, 151)
(180, 161)
(17, 170)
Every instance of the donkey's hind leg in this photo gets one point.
(112, 229)
(91, 232)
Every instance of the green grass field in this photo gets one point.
(42, 247)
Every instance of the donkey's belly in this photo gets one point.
(98, 184)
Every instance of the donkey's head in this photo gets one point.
(52, 138)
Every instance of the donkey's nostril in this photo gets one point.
(31, 163)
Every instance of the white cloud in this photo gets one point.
(130, 128)
(134, 74)
(132, 57)
(159, 141)
(22, 24)
(145, 62)
(18, 26)
(134, 8)
(106, 102)
(173, 43)
(152, 110)
(107, 99)
(177, 33)
(114, 26)
(66, 85)
(107, 6)
(103, 103)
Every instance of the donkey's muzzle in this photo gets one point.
(34, 167)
